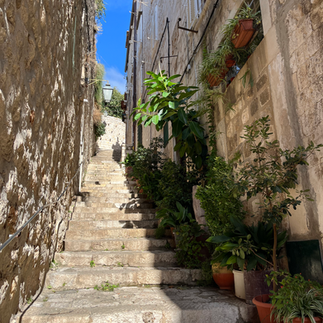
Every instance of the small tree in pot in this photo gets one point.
(273, 174)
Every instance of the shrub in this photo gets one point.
(220, 197)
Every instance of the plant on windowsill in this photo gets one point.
(242, 27)
(215, 65)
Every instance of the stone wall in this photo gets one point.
(287, 73)
(287, 70)
(45, 108)
(115, 133)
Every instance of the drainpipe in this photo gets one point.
(134, 98)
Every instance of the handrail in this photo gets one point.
(38, 212)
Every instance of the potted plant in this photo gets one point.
(296, 301)
(175, 218)
(223, 276)
(192, 249)
(129, 162)
(241, 29)
(250, 249)
(271, 174)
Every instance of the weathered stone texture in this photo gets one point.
(43, 47)
(114, 136)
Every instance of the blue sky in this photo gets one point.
(111, 51)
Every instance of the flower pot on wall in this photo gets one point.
(229, 61)
(255, 284)
(242, 33)
(216, 80)
(239, 287)
(263, 308)
(223, 277)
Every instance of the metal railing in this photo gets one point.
(13, 236)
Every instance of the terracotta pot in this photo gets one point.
(239, 288)
(140, 190)
(128, 170)
(263, 308)
(229, 61)
(223, 277)
(215, 81)
(255, 284)
(242, 33)
(307, 320)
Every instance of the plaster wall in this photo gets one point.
(46, 49)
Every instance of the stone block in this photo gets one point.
(264, 96)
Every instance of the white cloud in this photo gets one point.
(115, 78)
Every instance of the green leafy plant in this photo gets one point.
(175, 185)
(190, 244)
(272, 173)
(160, 232)
(92, 264)
(123, 246)
(296, 298)
(176, 218)
(30, 300)
(99, 129)
(119, 264)
(106, 287)
(250, 247)
(113, 108)
(130, 160)
(100, 9)
(220, 196)
(171, 102)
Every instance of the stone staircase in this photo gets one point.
(111, 245)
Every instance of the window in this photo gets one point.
(156, 23)
(139, 135)
(166, 135)
(194, 10)
(140, 30)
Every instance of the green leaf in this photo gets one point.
(196, 129)
(155, 119)
(232, 260)
(174, 77)
(177, 128)
(137, 116)
(182, 115)
(218, 239)
(165, 94)
(252, 263)
(240, 262)
(173, 104)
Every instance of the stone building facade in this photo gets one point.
(46, 130)
(287, 70)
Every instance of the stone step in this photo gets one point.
(87, 277)
(110, 233)
(105, 194)
(120, 216)
(120, 206)
(108, 224)
(149, 304)
(135, 244)
(116, 199)
(115, 181)
(159, 258)
(108, 186)
(82, 209)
